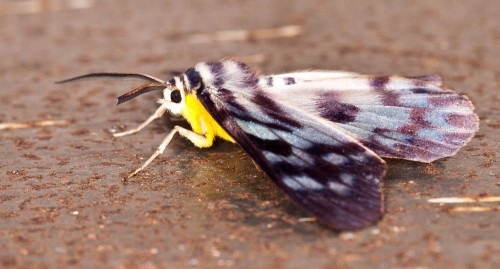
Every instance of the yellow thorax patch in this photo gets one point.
(202, 122)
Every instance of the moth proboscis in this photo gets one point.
(319, 135)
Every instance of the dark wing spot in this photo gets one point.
(445, 99)
(272, 109)
(271, 125)
(289, 81)
(417, 116)
(457, 138)
(420, 90)
(389, 98)
(243, 67)
(462, 121)
(276, 146)
(432, 78)
(229, 98)
(286, 168)
(345, 148)
(379, 83)
(283, 118)
(338, 112)
(209, 104)
(261, 99)
(269, 81)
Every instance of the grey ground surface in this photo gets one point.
(62, 200)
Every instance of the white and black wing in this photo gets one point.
(325, 171)
(410, 118)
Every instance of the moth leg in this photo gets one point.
(196, 138)
(158, 113)
(258, 167)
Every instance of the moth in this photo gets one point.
(319, 135)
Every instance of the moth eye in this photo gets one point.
(175, 96)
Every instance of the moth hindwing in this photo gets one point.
(318, 135)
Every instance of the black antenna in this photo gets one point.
(113, 76)
(140, 90)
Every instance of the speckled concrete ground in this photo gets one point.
(62, 200)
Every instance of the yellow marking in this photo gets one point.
(202, 122)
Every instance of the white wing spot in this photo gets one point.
(308, 182)
(372, 178)
(335, 158)
(358, 157)
(414, 100)
(347, 179)
(371, 119)
(302, 183)
(256, 129)
(432, 134)
(339, 188)
(387, 142)
(290, 182)
(271, 157)
(303, 156)
(294, 139)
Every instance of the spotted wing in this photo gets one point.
(326, 172)
(279, 80)
(398, 117)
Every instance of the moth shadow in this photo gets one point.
(264, 203)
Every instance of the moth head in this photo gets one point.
(179, 87)
(174, 91)
(174, 96)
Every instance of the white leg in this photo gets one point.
(158, 113)
(192, 136)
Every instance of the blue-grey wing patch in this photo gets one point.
(326, 172)
(397, 117)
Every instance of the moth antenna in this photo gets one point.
(140, 90)
(112, 76)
